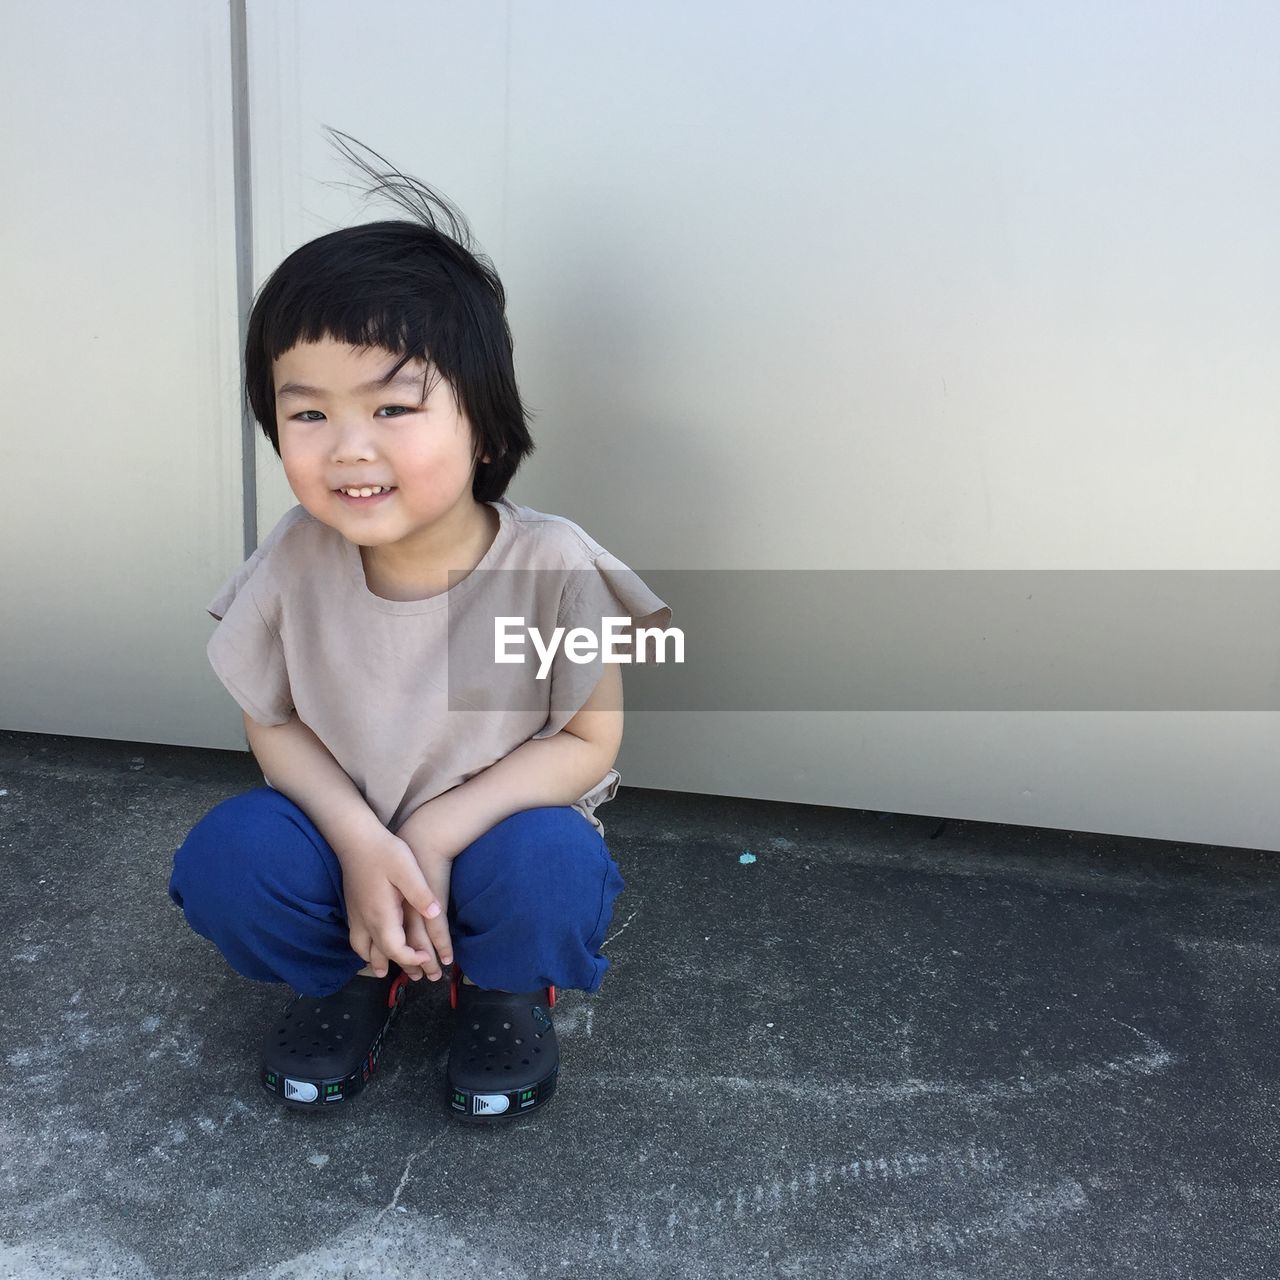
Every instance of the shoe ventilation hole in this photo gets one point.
(506, 1026)
(346, 1015)
(537, 1035)
(492, 1039)
(338, 1035)
(324, 1026)
(488, 1068)
(519, 1041)
(536, 1049)
(317, 1008)
(524, 1061)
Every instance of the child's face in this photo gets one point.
(340, 435)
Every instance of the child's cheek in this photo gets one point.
(306, 482)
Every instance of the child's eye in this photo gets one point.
(397, 411)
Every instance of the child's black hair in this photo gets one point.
(414, 289)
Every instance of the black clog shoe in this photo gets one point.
(504, 1057)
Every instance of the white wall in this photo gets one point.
(922, 286)
(972, 286)
(119, 440)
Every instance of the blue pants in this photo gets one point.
(529, 901)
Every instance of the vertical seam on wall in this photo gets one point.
(506, 140)
(243, 188)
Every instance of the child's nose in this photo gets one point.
(353, 440)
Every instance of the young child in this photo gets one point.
(426, 804)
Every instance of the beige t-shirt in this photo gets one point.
(406, 694)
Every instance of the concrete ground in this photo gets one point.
(888, 1047)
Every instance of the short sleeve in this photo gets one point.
(245, 650)
(610, 601)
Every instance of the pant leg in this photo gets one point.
(530, 902)
(257, 879)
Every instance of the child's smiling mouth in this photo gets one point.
(364, 496)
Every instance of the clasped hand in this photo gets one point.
(397, 896)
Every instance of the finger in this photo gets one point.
(415, 935)
(391, 942)
(415, 931)
(411, 884)
(438, 933)
(425, 952)
(377, 961)
(438, 873)
(423, 902)
(419, 896)
(360, 941)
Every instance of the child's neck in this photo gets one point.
(422, 570)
